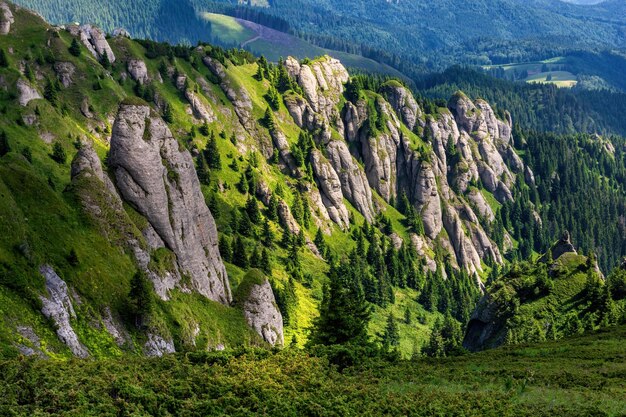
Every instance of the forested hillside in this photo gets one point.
(162, 199)
(536, 107)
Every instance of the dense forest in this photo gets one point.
(536, 107)
(393, 33)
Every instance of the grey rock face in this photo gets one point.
(115, 328)
(94, 40)
(237, 95)
(263, 315)
(330, 189)
(353, 180)
(286, 218)
(26, 92)
(29, 334)
(200, 110)
(138, 71)
(428, 202)
(464, 250)
(65, 72)
(100, 197)
(59, 308)
(403, 103)
(86, 162)
(6, 19)
(160, 181)
(284, 150)
(157, 346)
(322, 82)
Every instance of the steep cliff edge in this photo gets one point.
(160, 181)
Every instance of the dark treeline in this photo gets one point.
(537, 107)
(580, 188)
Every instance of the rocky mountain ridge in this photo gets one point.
(137, 122)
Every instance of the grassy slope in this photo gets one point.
(230, 31)
(580, 376)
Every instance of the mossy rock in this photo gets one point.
(253, 277)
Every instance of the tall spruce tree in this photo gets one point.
(344, 314)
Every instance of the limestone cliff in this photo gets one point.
(159, 180)
(432, 159)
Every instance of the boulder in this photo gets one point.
(26, 92)
(138, 71)
(256, 298)
(65, 72)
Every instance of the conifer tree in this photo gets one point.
(212, 153)
(268, 120)
(267, 235)
(319, 241)
(104, 61)
(225, 249)
(58, 153)
(240, 256)
(141, 298)
(266, 264)
(74, 48)
(5, 148)
(344, 314)
(252, 209)
(4, 59)
(272, 208)
(391, 336)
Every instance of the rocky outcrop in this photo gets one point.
(94, 40)
(464, 249)
(65, 72)
(284, 151)
(158, 178)
(428, 202)
(287, 219)
(102, 204)
(115, 328)
(157, 346)
(26, 92)
(238, 96)
(138, 71)
(6, 19)
(484, 329)
(330, 189)
(87, 163)
(201, 111)
(354, 183)
(322, 83)
(561, 247)
(256, 298)
(58, 307)
(403, 103)
(31, 339)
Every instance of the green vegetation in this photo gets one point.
(579, 376)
